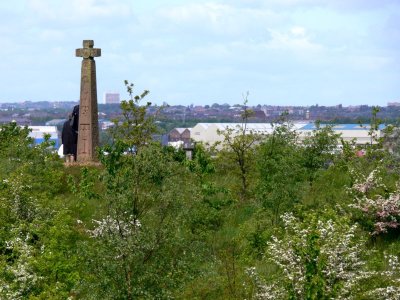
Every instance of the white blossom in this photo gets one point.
(110, 226)
(384, 209)
(24, 278)
(336, 253)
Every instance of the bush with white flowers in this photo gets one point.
(321, 260)
(382, 208)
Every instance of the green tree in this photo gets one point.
(31, 183)
(281, 174)
(239, 145)
(319, 149)
(136, 249)
(135, 128)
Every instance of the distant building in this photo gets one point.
(111, 98)
(38, 132)
(259, 114)
(359, 133)
(208, 132)
(180, 134)
(19, 120)
(55, 122)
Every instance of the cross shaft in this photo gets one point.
(88, 128)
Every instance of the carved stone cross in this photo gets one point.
(88, 132)
(88, 51)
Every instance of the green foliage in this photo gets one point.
(14, 142)
(212, 199)
(147, 223)
(322, 258)
(281, 174)
(239, 145)
(201, 164)
(136, 128)
(319, 150)
(135, 249)
(33, 179)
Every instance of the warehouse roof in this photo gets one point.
(312, 126)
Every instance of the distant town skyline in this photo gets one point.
(284, 52)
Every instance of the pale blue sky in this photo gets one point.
(284, 52)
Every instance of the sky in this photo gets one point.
(283, 52)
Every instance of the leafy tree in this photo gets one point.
(136, 127)
(135, 250)
(374, 150)
(319, 149)
(239, 145)
(374, 127)
(281, 173)
(33, 180)
(207, 208)
(201, 164)
(14, 146)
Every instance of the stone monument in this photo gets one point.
(88, 132)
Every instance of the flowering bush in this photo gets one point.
(17, 279)
(384, 209)
(321, 260)
(111, 226)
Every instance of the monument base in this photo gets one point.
(83, 164)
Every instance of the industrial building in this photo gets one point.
(38, 132)
(207, 133)
(360, 133)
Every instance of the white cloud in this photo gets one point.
(298, 31)
(51, 35)
(136, 57)
(219, 18)
(78, 10)
(369, 62)
(342, 5)
(208, 12)
(296, 39)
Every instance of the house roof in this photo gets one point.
(181, 130)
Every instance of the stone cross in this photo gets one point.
(88, 132)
